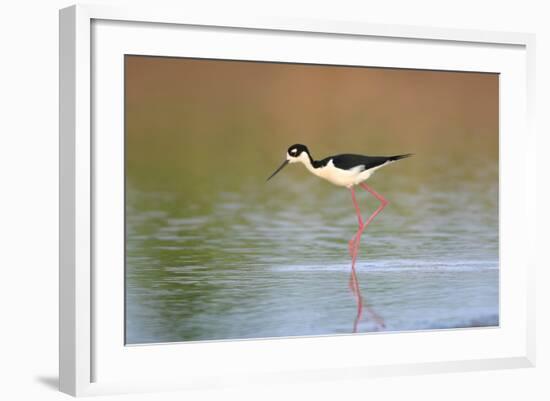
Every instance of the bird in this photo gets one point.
(347, 170)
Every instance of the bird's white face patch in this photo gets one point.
(292, 158)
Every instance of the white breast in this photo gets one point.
(336, 176)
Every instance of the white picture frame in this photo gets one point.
(92, 38)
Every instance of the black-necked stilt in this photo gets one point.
(347, 170)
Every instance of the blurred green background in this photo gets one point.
(213, 252)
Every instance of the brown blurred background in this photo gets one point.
(244, 115)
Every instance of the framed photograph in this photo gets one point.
(274, 200)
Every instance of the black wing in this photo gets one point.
(347, 162)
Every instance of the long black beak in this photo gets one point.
(279, 169)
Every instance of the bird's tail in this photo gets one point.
(399, 157)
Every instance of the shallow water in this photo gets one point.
(267, 260)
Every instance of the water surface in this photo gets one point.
(271, 260)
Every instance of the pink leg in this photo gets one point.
(357, 210)
(354, 248)
(383, 204)
(362, 227)
(359, 220)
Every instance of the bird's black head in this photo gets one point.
(295, 151)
